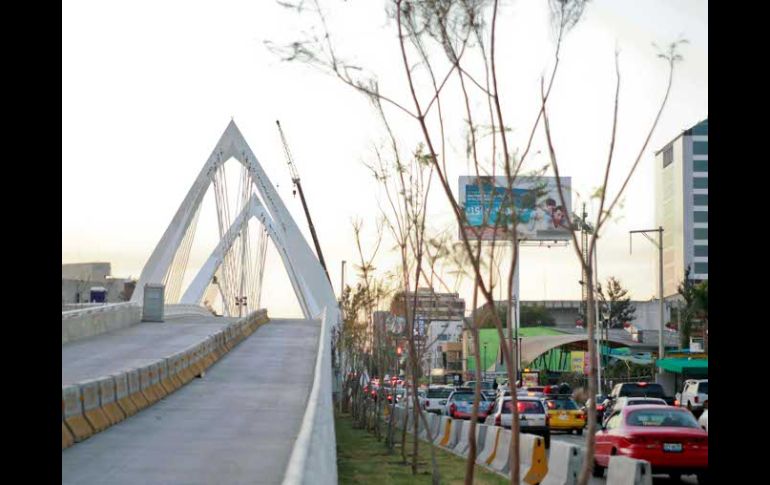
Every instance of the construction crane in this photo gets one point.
(298, 188)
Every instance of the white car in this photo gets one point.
(694, 394)
(436, 399)
(533, 417)
(704, 420)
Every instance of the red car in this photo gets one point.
(666, 436)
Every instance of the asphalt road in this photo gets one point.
(657, 479)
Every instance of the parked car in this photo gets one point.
(666, 436)
(694, 394)
(640, 389)
(564, 415)
(533, 417)
(460, 405)
(622, 402)
(436, 399)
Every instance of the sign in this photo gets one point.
(579, 362)
(530, 379)
(533, 204)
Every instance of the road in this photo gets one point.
(236, 425)
(657, 479)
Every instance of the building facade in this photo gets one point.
(681, 185)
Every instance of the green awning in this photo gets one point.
(680, 365)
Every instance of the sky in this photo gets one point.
(149, 87)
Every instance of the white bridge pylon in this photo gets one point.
(312, 288)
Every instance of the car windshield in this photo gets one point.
(439, 393)
(669, 417)
(703, 388)
(635, 390)
(465, 397)
(525, 407)
(566, 404)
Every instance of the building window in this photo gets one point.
(701, 216)
(700, 199)
(700, 148)
(668, 156)
(702, 233)
(701, 268)
(700, 182)
(701, 251)
(700, 165)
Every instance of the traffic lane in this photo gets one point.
(580, 441)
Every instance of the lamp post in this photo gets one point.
(659, 245)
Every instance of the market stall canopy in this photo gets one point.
(681, 365)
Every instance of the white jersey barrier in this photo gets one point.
(464, 444)
(489, 450)
(628, 471)
(564, 463)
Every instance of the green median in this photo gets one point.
(363, 459)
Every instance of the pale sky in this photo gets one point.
(149, 87)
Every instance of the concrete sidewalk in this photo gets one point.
(135, 346)
(236, 425)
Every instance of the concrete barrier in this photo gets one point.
(73, 413)
(463, 445)
(122, 394)
(174, 366)
(145, 385)
(533, 462)
(67, 439)
(457, 430)
(92, 410)
(87, 322)
(108, 401)
(135, 390)
(164, 380)
(501, 461)
(155, 380)
(489, 450)
(628, 471)
(445, 431)
(564, 463)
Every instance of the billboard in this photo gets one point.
(533, 204)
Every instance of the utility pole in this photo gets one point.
(298, 186)
(659, 245)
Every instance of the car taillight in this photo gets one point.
(520, 407)
(452, 409)
(374, 393)
(696, 399)
(491, 407)
(676, 402)
(600, 407)
(581, 416)
(498, 421)
(390, 397)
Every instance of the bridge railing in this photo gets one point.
(314, 457)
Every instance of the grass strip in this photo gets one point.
(363, 459)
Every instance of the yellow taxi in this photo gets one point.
(564, 414)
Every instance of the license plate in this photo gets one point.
(673, 447)
(563, 417)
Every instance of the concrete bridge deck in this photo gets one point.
(134, 346)
(236, 425)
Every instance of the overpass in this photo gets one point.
(199, 398)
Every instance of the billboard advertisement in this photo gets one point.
(533, 205)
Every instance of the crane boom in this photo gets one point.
(298, 185)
